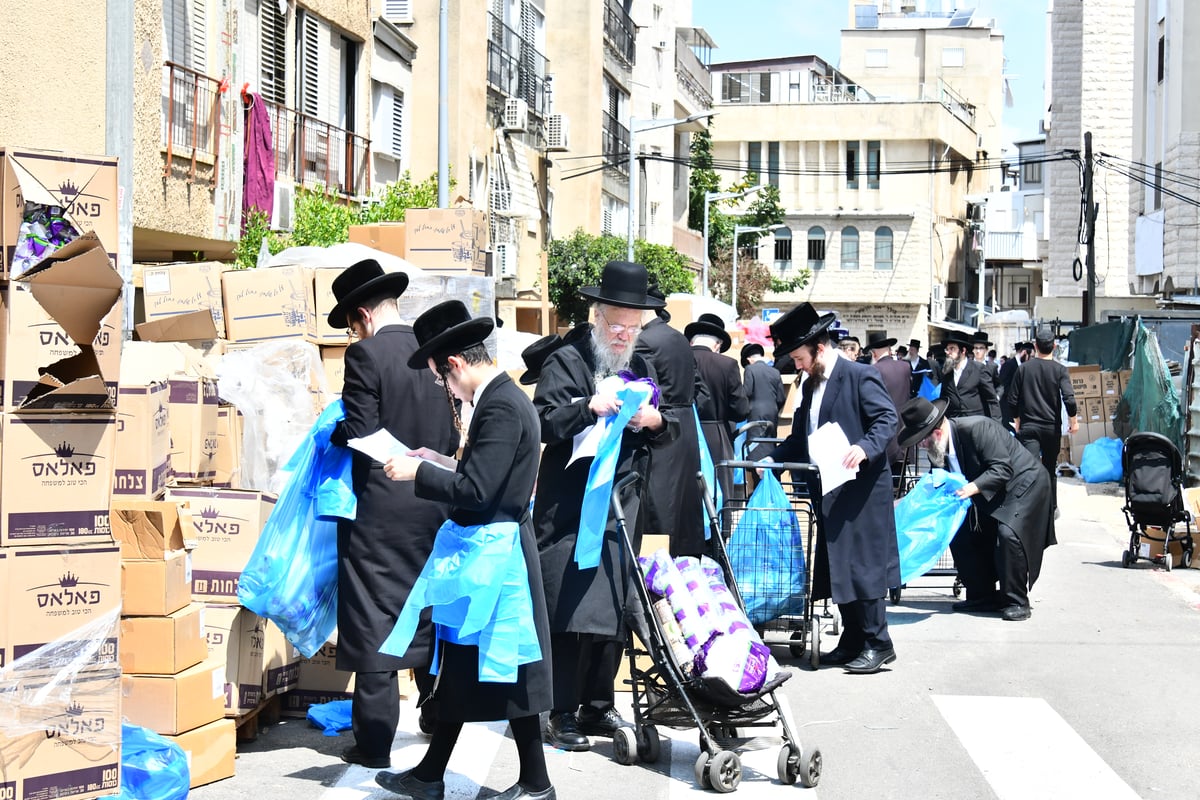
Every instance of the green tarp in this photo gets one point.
(1106, 344)
(1149, 401)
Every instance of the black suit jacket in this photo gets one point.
(764, 387)
(973, 395)
(897, 378)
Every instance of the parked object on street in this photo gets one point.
(1154, 500)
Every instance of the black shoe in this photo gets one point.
(870, 661)
(992, 603)
(518, 792)
(404, 785)
(352, 755)
(838, 657)
(562, 732)
(592, 723)
(1017, 613)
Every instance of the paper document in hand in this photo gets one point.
(587, 441)
(381, 446)
(827, 447)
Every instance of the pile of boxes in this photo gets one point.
(1097, 396)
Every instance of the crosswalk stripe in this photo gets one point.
(1026, 751)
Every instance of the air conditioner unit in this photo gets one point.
(516, 114)
(557, 128)
(504, 261)
(284, 207)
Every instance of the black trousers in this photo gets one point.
(375, 708)
(864, 625)
(1043, 443)
(585, 670)
(987, 552)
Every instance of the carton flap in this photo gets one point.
(33, 190)
(77, 286)
(189, 326)
(146, 529)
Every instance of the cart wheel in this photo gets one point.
(1127, 559)
(810, 774)
(649, 747)
(956, 589)
(798, 650)
(1186, 561)
(894, 594)
(700, 770)
(625, 749)
(787, 766)
(814, 656)
(1167, 562)
(725, 771)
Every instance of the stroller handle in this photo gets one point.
(619, 487)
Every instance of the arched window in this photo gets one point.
(783, 249)
(849, 247)
(816, 248)
(883, 248)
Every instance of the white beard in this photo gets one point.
(936, 450)
(608, 362)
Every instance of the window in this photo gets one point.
(876, 58)
(1031, 173)
(273, 52)
(310, 66)
(850, 248)
(783, 249)
(773, 163)
(1162, 58)
(185, 33)
(816, 248)
(387, 121)
(883, 248)
(1158, 185)
(852, 165)
(746, 87)
(953, 56)
(873, 165)
(397, 138)
(866, 16)
(754, 159)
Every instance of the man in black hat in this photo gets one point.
(1023, 351)
(851, 347)
(1009, 489)
(728, 403)
(965, 385)
(857, 559)
(919, 366)
(1040, 391)
(383, 550)
(535, 355)
(897, 377)
(587, 605)
(764, 388)
(979, 351)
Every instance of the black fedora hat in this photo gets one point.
(797, 327)
(954, 337)
(447, 328)
(917, 418)
(980, 337)
(879, 339)
(360, 281)
(709, 325)
(623, 283)
(535, 355)
(752, 349)
(657, 293)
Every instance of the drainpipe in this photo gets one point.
(118, 136)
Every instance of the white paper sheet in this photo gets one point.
(381, 446)
(585, 443)
(827, 447)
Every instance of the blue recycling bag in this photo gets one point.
(927, 519)
(152, 767)
(929, 390)
(766, 554)
(1101, 461)
(332, 717)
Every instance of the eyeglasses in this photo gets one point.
(617, 330)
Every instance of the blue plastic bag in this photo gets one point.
(332, 717)
(1101, 461)
(766, 553)
(929, 390)
(927, 519)
(152, 768)
(291, 577)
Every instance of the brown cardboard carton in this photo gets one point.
(176, 703)
(333, 358)
(281, 662)
(156, 587)
(1110, 384)
(193, 411)
(164, 645)
(1109, 409)
(236, 639)
(197, 328)
(55, 593)
(142, 460)
(60, 332)
(267, 303)
(1085, 381)
(1093, 411)
(226, 525)
(176, 289)
(4, 562)
(320, 681)
(319, 287)
(55, 478)
(210, 749)
(227, 461)
(148, 528)
(84, 186)
(447, 239)
(66, 740)
(386, 236)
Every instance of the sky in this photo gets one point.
(769, 28)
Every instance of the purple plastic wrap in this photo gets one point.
(663, 578)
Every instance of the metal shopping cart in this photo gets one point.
(911, 472)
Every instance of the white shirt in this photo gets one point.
(814, 410)
(958, 371)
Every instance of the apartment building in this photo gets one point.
(874, 162)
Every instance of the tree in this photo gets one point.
(754, 279)
(578, 261)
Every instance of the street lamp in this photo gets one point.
(711, 197)
(738, 230)
(637, 126)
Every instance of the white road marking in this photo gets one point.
(1026, 751)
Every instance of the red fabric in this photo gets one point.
(258, 190)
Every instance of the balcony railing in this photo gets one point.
(311, 152)
(619, 30)
(615, 144)
(692, 74)
(191, 119)
(515, 67)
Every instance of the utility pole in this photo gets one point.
(1089, 294)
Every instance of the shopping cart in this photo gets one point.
(664, 693)
(911, 472)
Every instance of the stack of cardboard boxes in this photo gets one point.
(1097, 395)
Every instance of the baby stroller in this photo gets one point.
(1153, 471)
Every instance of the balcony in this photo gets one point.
(619, 31)
(191, 120)
(615, 144)
(693, 76)
(313, 152)
(515, 68)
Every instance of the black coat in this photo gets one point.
(728, 406)
(765, 389)
(382, 552)
(671, 501)
(897, 378)
(493, 483)
(973, 395)
(1013, 485)
(591, 600)
(920, 369)
(857, 554)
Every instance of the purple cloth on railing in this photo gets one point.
(259, 161)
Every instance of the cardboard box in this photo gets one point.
(226, 525)
(4, 562)
(333, 359)
(164, 645)
(1109, 407)
(236, 640)
(227, 461)
(1093, 411)
(320, 681)
(389, 237)
(1064, 451)
(195, 328)
(149, 528)
(55, 478)
(192, 417)
(84, 186)
(447, 239)
(319, 287)
(1110, 384)
(55, 593)
(1085, 381)
(262, 304)
(156, 587)
(281, 662)
(177, 289)
(175, 703)
(142, 459)
(1176, 548)
(73, 751)
(60, 332)
(1096, 430)
(211, 751)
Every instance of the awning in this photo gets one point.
(957, 327)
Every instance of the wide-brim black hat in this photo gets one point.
(918, 417)
(879, 339)
(979, 337)
(447, 328)
(798, 326)
(624, 284)
(959, 339)
(709, 325)
(359, 281)
(535, 355)
(752, 349)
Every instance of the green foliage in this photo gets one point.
(798, 280)
(753, 281)
(703, 178)
(322, 218)
(578, 261)
(258, 228)
(396, 198)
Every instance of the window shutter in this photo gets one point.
(198, 39)
(397, 121)
(175, 38)
(310, 77)
(272, 52)
(397, 10)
